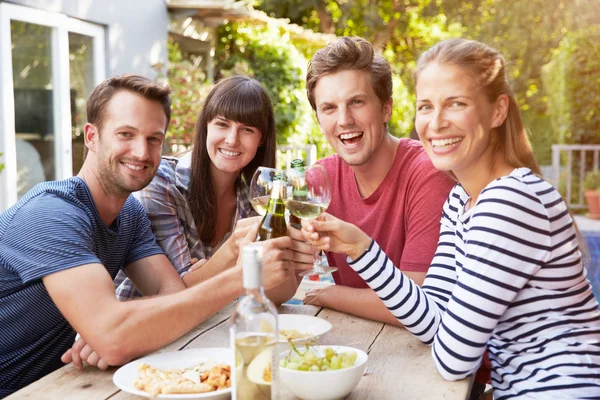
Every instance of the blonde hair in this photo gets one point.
(487, 66)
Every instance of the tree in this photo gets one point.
(572, 78)
(189, 89)
(268, 54)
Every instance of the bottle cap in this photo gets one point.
(252, 265)
(296, 163)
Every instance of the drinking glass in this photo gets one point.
(317, 200)
(261, 186)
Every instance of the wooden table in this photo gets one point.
(399, 367)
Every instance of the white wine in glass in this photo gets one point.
(261, 187)
(317, 187)
(305, 209)
(260, 204)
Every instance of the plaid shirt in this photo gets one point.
(172, 223)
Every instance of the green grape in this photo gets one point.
(309, 361)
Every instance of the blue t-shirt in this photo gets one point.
(54, 227)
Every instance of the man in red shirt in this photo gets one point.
(384, 185)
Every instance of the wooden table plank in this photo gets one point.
(348, 330)
(397, 356)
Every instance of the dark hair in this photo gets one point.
(487, 66)
(101, 95)
(350, 53)
(240, 99)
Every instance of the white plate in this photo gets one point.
(317, 327)
(125, 376)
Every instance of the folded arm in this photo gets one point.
(121, 331)
(362, 302)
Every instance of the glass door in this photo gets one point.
(48, 65)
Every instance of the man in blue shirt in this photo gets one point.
(63, 243)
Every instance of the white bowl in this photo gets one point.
(324, 385)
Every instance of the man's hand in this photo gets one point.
(332, 234)
(280, 257)
(81, 352)
(303, 253)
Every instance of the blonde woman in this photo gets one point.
(507, 275)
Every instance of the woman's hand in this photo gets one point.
(332, 234)
(315, 296)
(242, 228)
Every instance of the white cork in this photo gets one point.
(252, 265)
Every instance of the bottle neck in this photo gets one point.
(276, 205)
(255, 292)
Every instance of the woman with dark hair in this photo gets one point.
(198, 204)
(507, 276)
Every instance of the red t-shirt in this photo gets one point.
(403, 214)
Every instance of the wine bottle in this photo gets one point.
(253, 335)
(273, 224)
(300, 190)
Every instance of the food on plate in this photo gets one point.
(293, 334)
(310, 361)
(286, 334)
(200, 378)
(267, 374)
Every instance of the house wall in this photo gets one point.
(136, 30)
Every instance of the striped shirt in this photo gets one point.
(507, 276)
(54, 227)
(165, 201)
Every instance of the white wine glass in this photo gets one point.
(315, 202)
(261, 186)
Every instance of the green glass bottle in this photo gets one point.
(273, 224)
(300, 190)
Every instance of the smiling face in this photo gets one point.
(231, 145)
(454, 118)
(350, 115)
(129, 146)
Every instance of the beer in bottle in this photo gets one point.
(273, 224)
(299, 188)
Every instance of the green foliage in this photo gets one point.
(268, 54)
(1, 164)
(572, 77)
(541, 136)
(189, 89)
(592, 181)
(526, 32)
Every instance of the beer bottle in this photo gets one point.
(273, 224)
(299, 188)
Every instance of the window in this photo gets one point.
(48, 65)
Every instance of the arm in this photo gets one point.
(121, 331)
(154, 275)
(458, 314)
(138, 327)
(363, 303)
